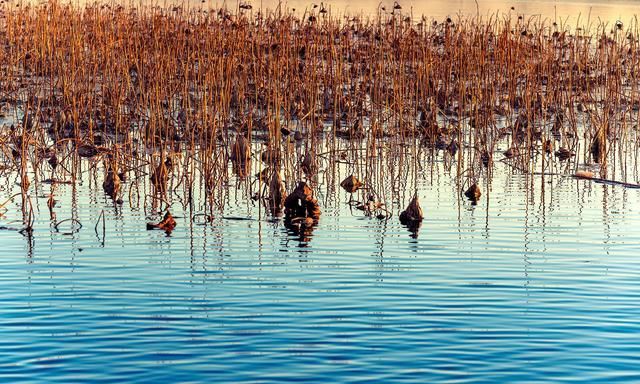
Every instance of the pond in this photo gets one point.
(524, 286)
(108, 136)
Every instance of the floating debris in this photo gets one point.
(511, 153)
(452, 148)
(53, 161)
(240, 151)
(167, 224)
(264, 175)
(111, 183)
(351, 184)
(564, 154)
(301, 204)
(87, 150)
(373, 208)
(597, 149)
(270, 156)
(473, 193)
(584, 175)
(485, 158)
(160, 176)
(276, 193)
(412, 217)
(30, 120)
(413, 212)
(309, 165)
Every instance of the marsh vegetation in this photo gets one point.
(177, 106)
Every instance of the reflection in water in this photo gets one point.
(413, 226)
(359, 290)
(301, 228)
(378, 254)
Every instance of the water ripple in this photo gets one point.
(509, 291)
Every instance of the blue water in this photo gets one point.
(526, 286)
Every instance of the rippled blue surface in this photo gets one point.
(524, 287)
(527, 286)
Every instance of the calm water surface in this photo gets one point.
(526, 286)
(571, 11)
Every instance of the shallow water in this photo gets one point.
(525, 286)
(559, 11)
